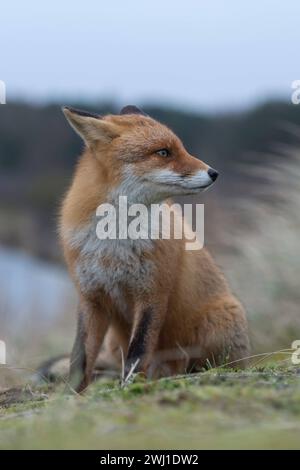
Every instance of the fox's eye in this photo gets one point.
(163, 152)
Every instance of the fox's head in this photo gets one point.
(140, 157)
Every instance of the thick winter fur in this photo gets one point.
(165, 309)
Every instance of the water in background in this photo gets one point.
(37, 303)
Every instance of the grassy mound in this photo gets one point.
(218, 409)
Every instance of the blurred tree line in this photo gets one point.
(38, 151)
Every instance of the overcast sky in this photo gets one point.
(206, 54)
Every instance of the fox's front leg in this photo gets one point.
(92, 325)
(148, 321)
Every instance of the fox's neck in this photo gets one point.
(87, 191)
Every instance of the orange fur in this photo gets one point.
(183, 314)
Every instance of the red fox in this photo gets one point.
(163, 309)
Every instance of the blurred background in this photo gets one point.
(220, 74)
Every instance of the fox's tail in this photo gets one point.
(56, 369)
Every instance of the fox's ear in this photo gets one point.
(91, 127)
(131, 109)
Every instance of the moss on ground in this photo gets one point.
(257, 408)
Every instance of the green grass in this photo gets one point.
(218, 409)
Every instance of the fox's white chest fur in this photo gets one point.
(112, 265)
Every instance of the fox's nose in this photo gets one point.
(213, 174)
